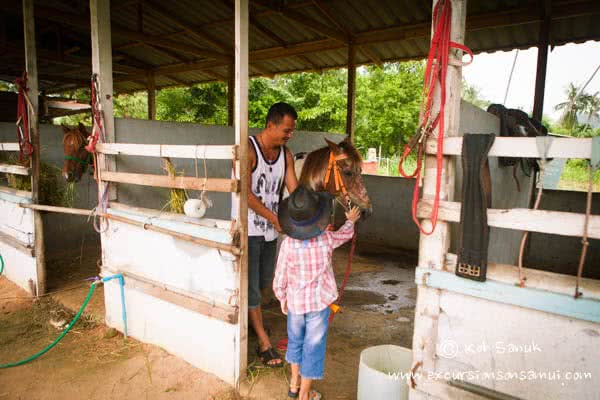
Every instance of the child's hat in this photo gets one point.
(305, 213)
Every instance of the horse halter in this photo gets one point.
(81, 141)
(337, 177)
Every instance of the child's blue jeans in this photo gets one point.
(307, 336)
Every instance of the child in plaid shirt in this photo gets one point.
(305, 284)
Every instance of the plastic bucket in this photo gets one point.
(382, 373)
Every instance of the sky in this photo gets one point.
(575, 63)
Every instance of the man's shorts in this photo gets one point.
(261, 267)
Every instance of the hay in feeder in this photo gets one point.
(52, 192)
(177, 197)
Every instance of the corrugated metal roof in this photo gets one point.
(189, 41)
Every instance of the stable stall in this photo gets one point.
(183, 283)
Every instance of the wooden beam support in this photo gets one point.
(151, 97)
(521, 147)
(34, 131)
(9, 146)
(351, 92)
(14, 169)
(177, 182)
(241, 174)
(308, 22)
(209, 152)
(102, 66)
(522, 219)
(75, 20)
(159, 290)
(231, 94)
(183, 236)
(542, 61)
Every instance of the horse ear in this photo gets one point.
(82, 128)
(65, 128)
(331, 145)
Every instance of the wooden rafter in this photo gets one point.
(308, 22)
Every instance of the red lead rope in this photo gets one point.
(346, 275)
(435, 74)
(25, 146)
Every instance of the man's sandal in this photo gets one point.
(269, 355)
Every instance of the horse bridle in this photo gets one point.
(340, 186)
(82, 141)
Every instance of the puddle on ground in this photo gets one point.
(362, 297)
(390, 282)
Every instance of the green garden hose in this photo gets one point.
(33, 357)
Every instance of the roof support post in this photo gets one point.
(542, 61)
(433, 248)
(102, 66)
(241, 169)
(351, 92)
(34, 131)
(151, 87)
(230, 94)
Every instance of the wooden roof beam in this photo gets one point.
(75, 20)
(195, 32)
(308, 22)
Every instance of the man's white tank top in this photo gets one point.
(267, 181)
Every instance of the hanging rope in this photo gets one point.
(593, 166)
(335, 307)
(23, 137)
(435, 76)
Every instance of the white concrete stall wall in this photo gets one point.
(193, 271)
(16, 226)
(62, 233)
(493, 334)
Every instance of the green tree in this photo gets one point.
(387, 105)
(570, 108)
(472, 94)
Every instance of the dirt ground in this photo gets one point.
(95, 362)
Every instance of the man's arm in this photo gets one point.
(254, 202)
(291, 181)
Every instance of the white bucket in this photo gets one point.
(382, 373)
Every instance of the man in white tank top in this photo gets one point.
(271, 165)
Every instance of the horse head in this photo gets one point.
(349, 186)
(77, 157)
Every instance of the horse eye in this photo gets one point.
(348, 173)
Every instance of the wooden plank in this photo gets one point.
(63, 210)
(14, 169)
(9, 146)
(521, 147)
(17, 244)
(177, 182)
(210, 152)
(34, 132)
(537, 279)
(102, 66)
(583, 308)
(15, 195)
(523, 219)
(189, 238)
(192, 302)
(542, 61)
(241, 173)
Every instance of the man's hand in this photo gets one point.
(353, 215)
(283, 307)
(276, 225)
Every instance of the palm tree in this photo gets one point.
(570, 108)
(592, 107)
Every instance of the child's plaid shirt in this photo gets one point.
(304, 274)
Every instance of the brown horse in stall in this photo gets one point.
(77, 158)
(345, 158)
